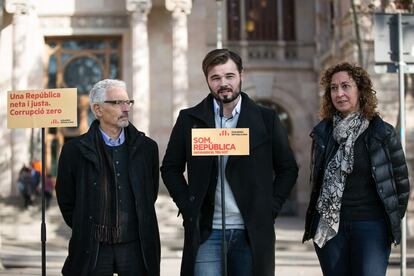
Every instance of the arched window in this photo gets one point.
(283, 114)
(78, 62)
(81, 62)
(290, 206)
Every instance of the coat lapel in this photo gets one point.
(134, 138)
(251, 117)
(204, 113)
(88, 147)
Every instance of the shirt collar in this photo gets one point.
(235, 111)
(113, 142)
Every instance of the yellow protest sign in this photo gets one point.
(42, 108)
(220, 141)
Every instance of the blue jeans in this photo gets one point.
(239, 255)
(361, 248)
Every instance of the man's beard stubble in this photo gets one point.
(122, 123)
(225, 100)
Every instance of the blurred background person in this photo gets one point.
(25, 185)
(36, 172)
(49, 187)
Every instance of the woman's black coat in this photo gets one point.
(78, 178)
(388, 168)
(260, 182)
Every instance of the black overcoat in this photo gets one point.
(260, 182)
(78, 180)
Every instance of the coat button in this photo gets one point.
(192, 198)
(190, 219)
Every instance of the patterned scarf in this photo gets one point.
(346, 131)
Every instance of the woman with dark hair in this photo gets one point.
(359, 178)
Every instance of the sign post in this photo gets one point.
(42, 108)
(220, 142)
(394, 52)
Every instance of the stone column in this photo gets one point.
(1, 130)
(20, 138)
(180, 9)
(390, 6)
(1, 14)
(244, 44)
(280, 20)
(139, 10)
(281, 49)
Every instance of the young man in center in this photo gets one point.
(256, 185)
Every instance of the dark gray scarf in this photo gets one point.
(346, 131)
(107, 229)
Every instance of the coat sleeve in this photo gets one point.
(173, 166)
(65, 185)
(400, 172)
(155, 166)
(284, 165)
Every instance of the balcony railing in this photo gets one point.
(273, 51)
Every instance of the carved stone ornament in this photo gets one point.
(183, 5)
(19, 6)
(142, 6)
(114, 21)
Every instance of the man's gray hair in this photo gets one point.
(98, 91)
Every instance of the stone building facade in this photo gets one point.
(157, 47)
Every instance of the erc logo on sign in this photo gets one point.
(224, 132)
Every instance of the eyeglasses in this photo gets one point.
(121, 102)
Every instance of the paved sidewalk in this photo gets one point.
(20, 242)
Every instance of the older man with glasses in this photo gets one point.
(106, 188)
